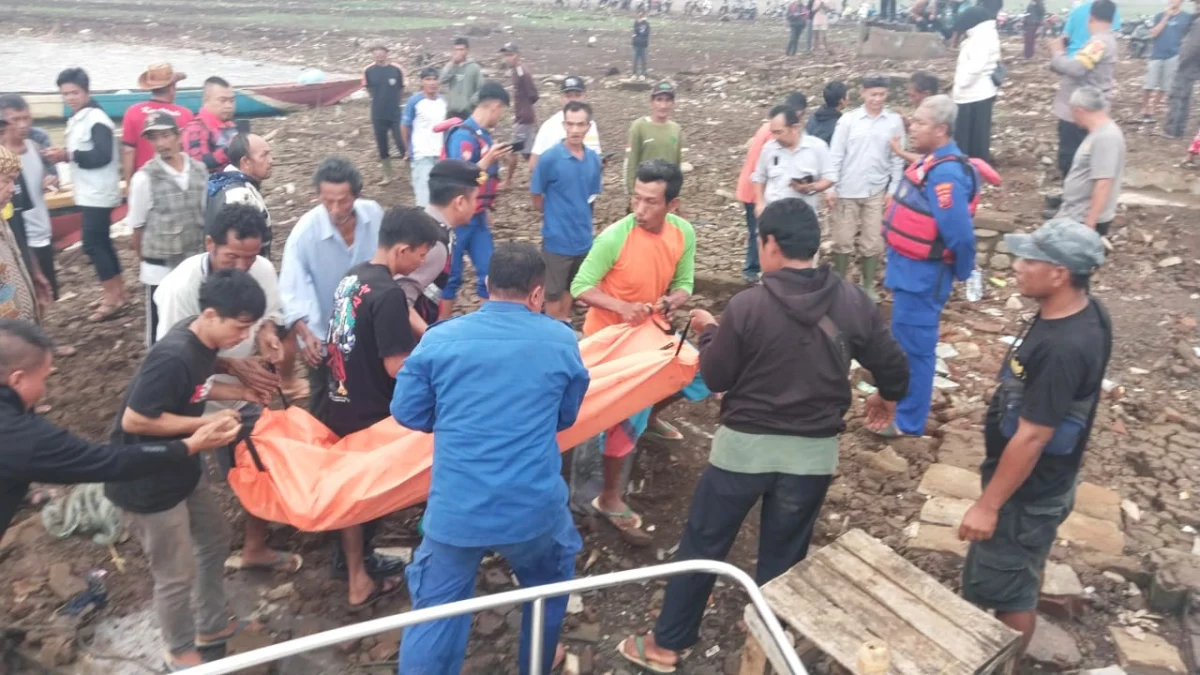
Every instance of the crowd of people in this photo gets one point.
(364, 297)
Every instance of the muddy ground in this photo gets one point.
(1143, 447)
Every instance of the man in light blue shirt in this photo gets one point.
(565, 182)
(865, 167)
(1076, 27)
(494, 387)
(327, 241)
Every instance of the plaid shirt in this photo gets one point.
(206, 140)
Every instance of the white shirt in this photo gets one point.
(37, 219)
(421, 114)
(552, 132)
(978, 56)
(178, 297)
(141, 200)
(778, 166)
(863, 161)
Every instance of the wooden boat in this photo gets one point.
(66, 219)
(252, 101)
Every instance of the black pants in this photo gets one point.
(973, 130)
(382, 129)
(45, 260)
(151, 316)
(318, 390)
(887, 10)
(97, 243)
(790, 505)
(1179, 100)
(1070, 136)
(794, 40)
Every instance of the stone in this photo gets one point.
(64, 584)
(943, 480)
(1170, 262)
(962, 454)
(586, 632)
(1101, 535)
(892, 44)
(942, 384)
(1014, 303)
(574, 604)
(280, 592)
(887, 461)
(915, 447)
(489, 624)
(967, 350)
(1052, 647)
(1000, 261)
(56, 650)
(945, 351)
(1133, 512)
(687, 167)
(387, 645)
(1127, 566)
(571, 665)
(633, 85)
(1001, 247)
(945, 511)
(22, 534)
(1151, 655)
(985, 325)
(1110, 670)
(496, 579)
(726, 194)
(1060, 579)
(984, 233)
(938, 538)
(246, 641)
(1098, 502)
(1176, 580)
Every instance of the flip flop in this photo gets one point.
(106, 313)
(641, 659)
(664, 430)
(634, 535)
(381, 591)
(283, 562)
(241, 626)
(890, 431)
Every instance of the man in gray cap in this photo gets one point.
(1038, 422)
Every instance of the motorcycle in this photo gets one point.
(1139, 38)
(1052, 25)
(697, 8)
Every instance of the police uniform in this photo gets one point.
(930, 243)
(470, 142)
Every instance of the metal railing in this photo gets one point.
(537, 595)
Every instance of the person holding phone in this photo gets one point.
(792, 164)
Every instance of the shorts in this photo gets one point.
(560, 272)
(526, 133)
(1160, 73)
(1004, 573)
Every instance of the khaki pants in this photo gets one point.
(187, 546)
(861, 218)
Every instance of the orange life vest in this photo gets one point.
(908, 224)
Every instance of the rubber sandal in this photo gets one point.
(283, 562)
(172, 666)
(890, 431)
(105, 313)
(664, 431)
(635, 535)
(241, 626)
(381, 591)
(641, 660)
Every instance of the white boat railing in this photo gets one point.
(536, 595)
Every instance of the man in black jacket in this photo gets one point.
(36, 450)
(781, 355)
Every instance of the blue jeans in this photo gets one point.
(441, 573)
(473, 239)
(751, 268)
(420, 179)
(916, 329)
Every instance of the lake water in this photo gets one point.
(114, 65)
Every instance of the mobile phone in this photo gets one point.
(243, 126)
(518, 146)
(607, 156)
(803, 180)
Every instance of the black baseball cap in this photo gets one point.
(428, 71)
(573, 83)
(462, 41)
(510, 48)
(492, 90)
(874, 81)
(663, 88)
(457, 172)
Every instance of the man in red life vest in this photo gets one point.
(930, 243)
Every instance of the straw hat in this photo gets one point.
(159, 75)
(10, 164)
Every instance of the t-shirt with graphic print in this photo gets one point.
(173, 379)
(369, 324)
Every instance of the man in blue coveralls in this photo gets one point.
(494, 387)
(472, 141)
(930, 243)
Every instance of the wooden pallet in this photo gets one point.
(857, 590)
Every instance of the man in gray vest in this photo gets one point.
(166, 209)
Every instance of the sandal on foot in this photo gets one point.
(382, 590)
(105, 313)
(641, 660)
(663, 430)
(632, 534)
(283, 562)
(890, 431)
(221, 640)
(174, 666)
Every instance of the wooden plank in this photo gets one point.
(758, 629)
(910, 609)
(834, 631)
(966, 616)
(905, 641)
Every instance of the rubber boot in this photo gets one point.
(841, 263)
(869, 266)
(386, 164)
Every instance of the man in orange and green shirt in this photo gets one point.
(641, 265)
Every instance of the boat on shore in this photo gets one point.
(265, 100)
(66, 219)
